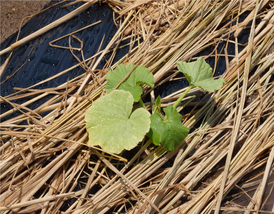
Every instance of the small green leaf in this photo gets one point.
(199, 74)
(157, 105)
(115, 77)
(112, 125)
(140, 75)
(170, 132)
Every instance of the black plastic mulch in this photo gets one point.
(43, 61)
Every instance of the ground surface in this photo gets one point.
(13, 12)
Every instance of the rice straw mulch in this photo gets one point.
(231, 147)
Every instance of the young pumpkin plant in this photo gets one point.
(113, 126)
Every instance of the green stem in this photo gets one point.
(142, 104)
(182, 96)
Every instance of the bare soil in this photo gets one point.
(13, 12)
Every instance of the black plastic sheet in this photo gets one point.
(39, 61)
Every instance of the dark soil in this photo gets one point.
(13, 12)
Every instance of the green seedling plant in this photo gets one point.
(113, 125)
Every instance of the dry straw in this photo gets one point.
(230, 148)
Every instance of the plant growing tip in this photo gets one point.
(156, 107)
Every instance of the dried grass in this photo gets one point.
(232, 140)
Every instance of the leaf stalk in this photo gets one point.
(182, 96)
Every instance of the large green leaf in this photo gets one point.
(140, 75)
(112, 125)
(199, 73)
(170, 132)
